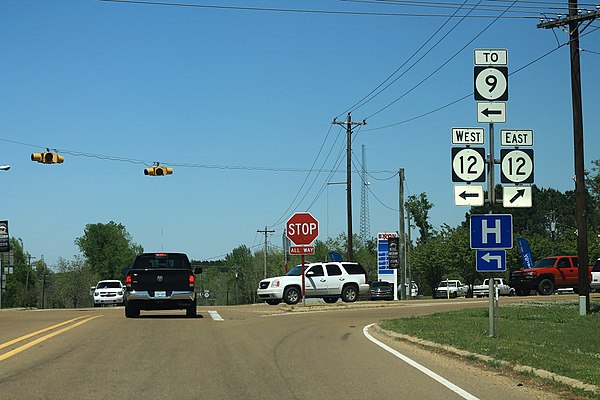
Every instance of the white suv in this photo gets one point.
(108, 292)
(595, 283)
(329, 281)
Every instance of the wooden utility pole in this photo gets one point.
(266, 232)
(573, 21)
(402, 236)
(349, 125)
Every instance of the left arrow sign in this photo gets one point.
(468, 195)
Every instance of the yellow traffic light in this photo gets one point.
(47, 158)
(158, 170)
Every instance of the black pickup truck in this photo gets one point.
(160, 281)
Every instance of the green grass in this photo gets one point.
(550, 336)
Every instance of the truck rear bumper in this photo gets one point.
(157, 300)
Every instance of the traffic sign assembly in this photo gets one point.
(491, 83)
(516, 166)
(467, 136)
(302, 228)
(491, 112)
(516, 196)
(516, 138)
(491, 57)
(468, 195)
(491, 260)
(468, 164)
(493, 231)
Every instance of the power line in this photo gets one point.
(427, 113)
(300, 11)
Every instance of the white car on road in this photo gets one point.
(329, 281)
(108, 292)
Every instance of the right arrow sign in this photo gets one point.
(516, 196)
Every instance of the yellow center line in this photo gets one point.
(3, 345)
(43, 338)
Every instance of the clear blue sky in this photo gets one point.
(240, 103)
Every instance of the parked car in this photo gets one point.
(450, 288)
(329, 281)
(500, 286)
(108, 292)
(380, 290)
(595, 281)
(547, 275)
(414, 290)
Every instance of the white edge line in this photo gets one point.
(461, 392)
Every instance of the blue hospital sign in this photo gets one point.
(493, 231)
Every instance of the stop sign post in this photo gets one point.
(302, 229)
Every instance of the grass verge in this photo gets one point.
(544, 335)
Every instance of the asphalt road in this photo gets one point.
(254, 352)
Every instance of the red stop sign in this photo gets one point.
(302, 228)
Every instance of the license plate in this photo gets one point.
(160, 293)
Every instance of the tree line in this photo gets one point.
(437, 253)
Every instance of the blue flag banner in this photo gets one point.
(525, 251)
(333, 256)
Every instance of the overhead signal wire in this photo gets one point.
(176, 164)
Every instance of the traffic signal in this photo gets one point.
(158, 170)
(47, 158)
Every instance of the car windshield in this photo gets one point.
(296, 271)
(108, 285)
(544, 263)
(450, 284)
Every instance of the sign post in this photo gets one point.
(302, 229)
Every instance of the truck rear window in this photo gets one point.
(161, 260)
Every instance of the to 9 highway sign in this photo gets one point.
(468, 164)
(302, 228)
(491, 83)
(516, 166)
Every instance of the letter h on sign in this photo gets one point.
(491, 231)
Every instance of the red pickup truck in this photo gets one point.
(547, 274)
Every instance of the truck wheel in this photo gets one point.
(546, 287)
(190, 311)
(291, 295)
(349, 294)
(511, 292)
(131, 311)
(273, 302)
(454, 295)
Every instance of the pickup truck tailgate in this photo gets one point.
(160, 279)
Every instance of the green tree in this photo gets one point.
(71, 284)
(418, 207)
(107, 248)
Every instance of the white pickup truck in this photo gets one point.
(450, 288)
(500, 285)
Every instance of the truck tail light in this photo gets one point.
(191, 280)
(128, 281)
